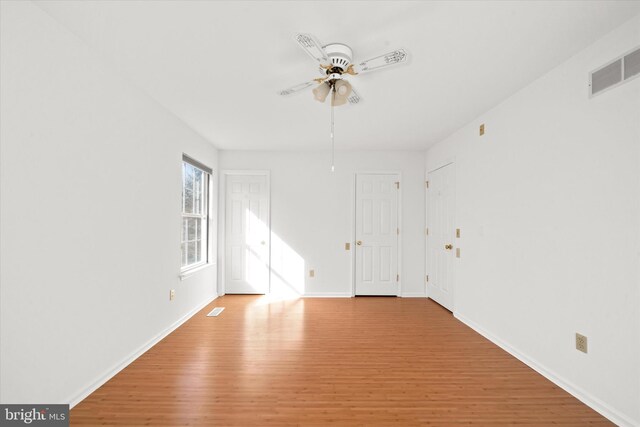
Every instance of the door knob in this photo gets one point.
(359, 242)
(448, 247)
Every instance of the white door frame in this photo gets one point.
(446, 162)
(222, 243)
(353, 226)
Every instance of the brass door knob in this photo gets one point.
(448, 247)
(359, 242)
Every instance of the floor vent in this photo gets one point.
(216, 311)
(615, 72)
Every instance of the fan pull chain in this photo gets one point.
(333, 147)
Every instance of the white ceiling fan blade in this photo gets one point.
(298, 88)
(392, 58)
(314, 49)
(354, 98)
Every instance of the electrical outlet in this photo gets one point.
(482, 129)
(312, 273)
(581, 343)
(172, 294)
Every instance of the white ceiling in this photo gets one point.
(218, 65)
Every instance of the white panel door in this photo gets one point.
(441, 235)
(247, 234)
(376, 267)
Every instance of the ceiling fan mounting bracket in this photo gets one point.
(340, 55)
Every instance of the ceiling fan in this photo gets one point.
(336, 62)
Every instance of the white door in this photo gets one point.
(247, 233)
(376, 267)
(441, 235)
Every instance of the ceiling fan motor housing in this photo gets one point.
(340, 54)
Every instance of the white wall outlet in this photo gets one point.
(581, 343)
(172, 294)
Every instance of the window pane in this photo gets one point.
(185, 222)
(188, 200)
(184, 255)
(188, 188)
(192, 229)
(184, 174)
(198, 187)
(191, 252)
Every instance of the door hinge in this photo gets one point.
(426, 231)
(397, 277)
(397, 231)
(426, 278)
(397, 184)
(426, 184)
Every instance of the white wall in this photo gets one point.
(549, 206)
(91, 188)
(312, 214)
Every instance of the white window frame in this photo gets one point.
(204, 216)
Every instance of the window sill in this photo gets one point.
(191, 271)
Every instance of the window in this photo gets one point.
(195, 213)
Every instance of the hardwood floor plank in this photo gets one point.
(314, 361)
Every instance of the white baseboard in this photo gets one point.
(327, 295)
(139, 352)
(577, 392)
(413, 295)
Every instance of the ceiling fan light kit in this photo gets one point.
(341, 91)
(335, 62)
(321, 92)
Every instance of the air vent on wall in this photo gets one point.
(614, 73)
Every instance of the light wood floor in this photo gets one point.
(343, 361)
